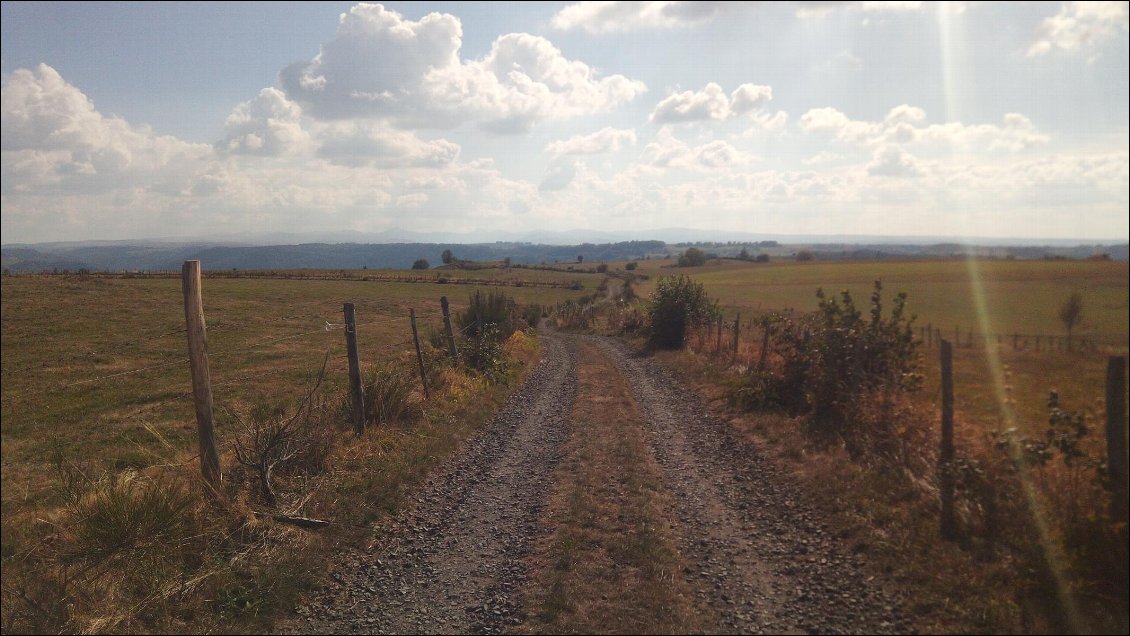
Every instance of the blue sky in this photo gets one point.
(188, 119)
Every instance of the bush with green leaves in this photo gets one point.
(677, 304)
(836, 363)
(484, 353)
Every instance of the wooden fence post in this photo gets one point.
(1116, 435)
(945, 458)
(201, 376)
(447, 327)
(764, 349)
(419, 355)
(737, 327)
(355, 389)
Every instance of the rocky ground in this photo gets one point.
(756, 555)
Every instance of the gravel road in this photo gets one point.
(761, 559)
(454, 563)
(759, 556)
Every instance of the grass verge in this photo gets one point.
(150, 551)
(1023, 583)
(610, 565)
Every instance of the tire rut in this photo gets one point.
(455, 563)
(761, 559)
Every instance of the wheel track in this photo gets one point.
(455, 563)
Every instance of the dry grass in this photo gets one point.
(106, 526)
(890, 512)
(610, 565)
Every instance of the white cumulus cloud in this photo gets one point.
(605, 140)
(905, 124)
(1080, 26)
(378, 144)
(616, 17)
(51, 136)
(268, 125)
(382, 65)
(667, 151)
(711, 103)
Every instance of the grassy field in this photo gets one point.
(73, 347)
(1017, 297)
(97, 412)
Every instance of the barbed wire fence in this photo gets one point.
(202, 353)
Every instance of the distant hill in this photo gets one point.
(161, 257)
(166, 256)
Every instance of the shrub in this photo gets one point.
(421, 263)
(678, 303)
(271, 439)
(602, 268)
(805, 255)
(843, 370)
(631, 266)
(532, 314)
(693, 257)
(762, 258)
(494, 308)
(484, 353)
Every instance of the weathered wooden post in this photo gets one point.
(945, 458)
(737, 327)
(201, 376)
(764, 348)
(718, 344)
(1116, 435)
(355, 389)
(419, 355)
(447, 327)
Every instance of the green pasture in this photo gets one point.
(1017, 297)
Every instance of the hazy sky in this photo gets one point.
(905, 118)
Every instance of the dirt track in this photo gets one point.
(757, 558)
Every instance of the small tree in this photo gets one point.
(421, 263)
(631, 265)
(744, 255)
(447, 257)
(678, 303)
(1070, 313)
(580, 258)
(805, 255)
(693, 257)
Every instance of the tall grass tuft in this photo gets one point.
(388, 386)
